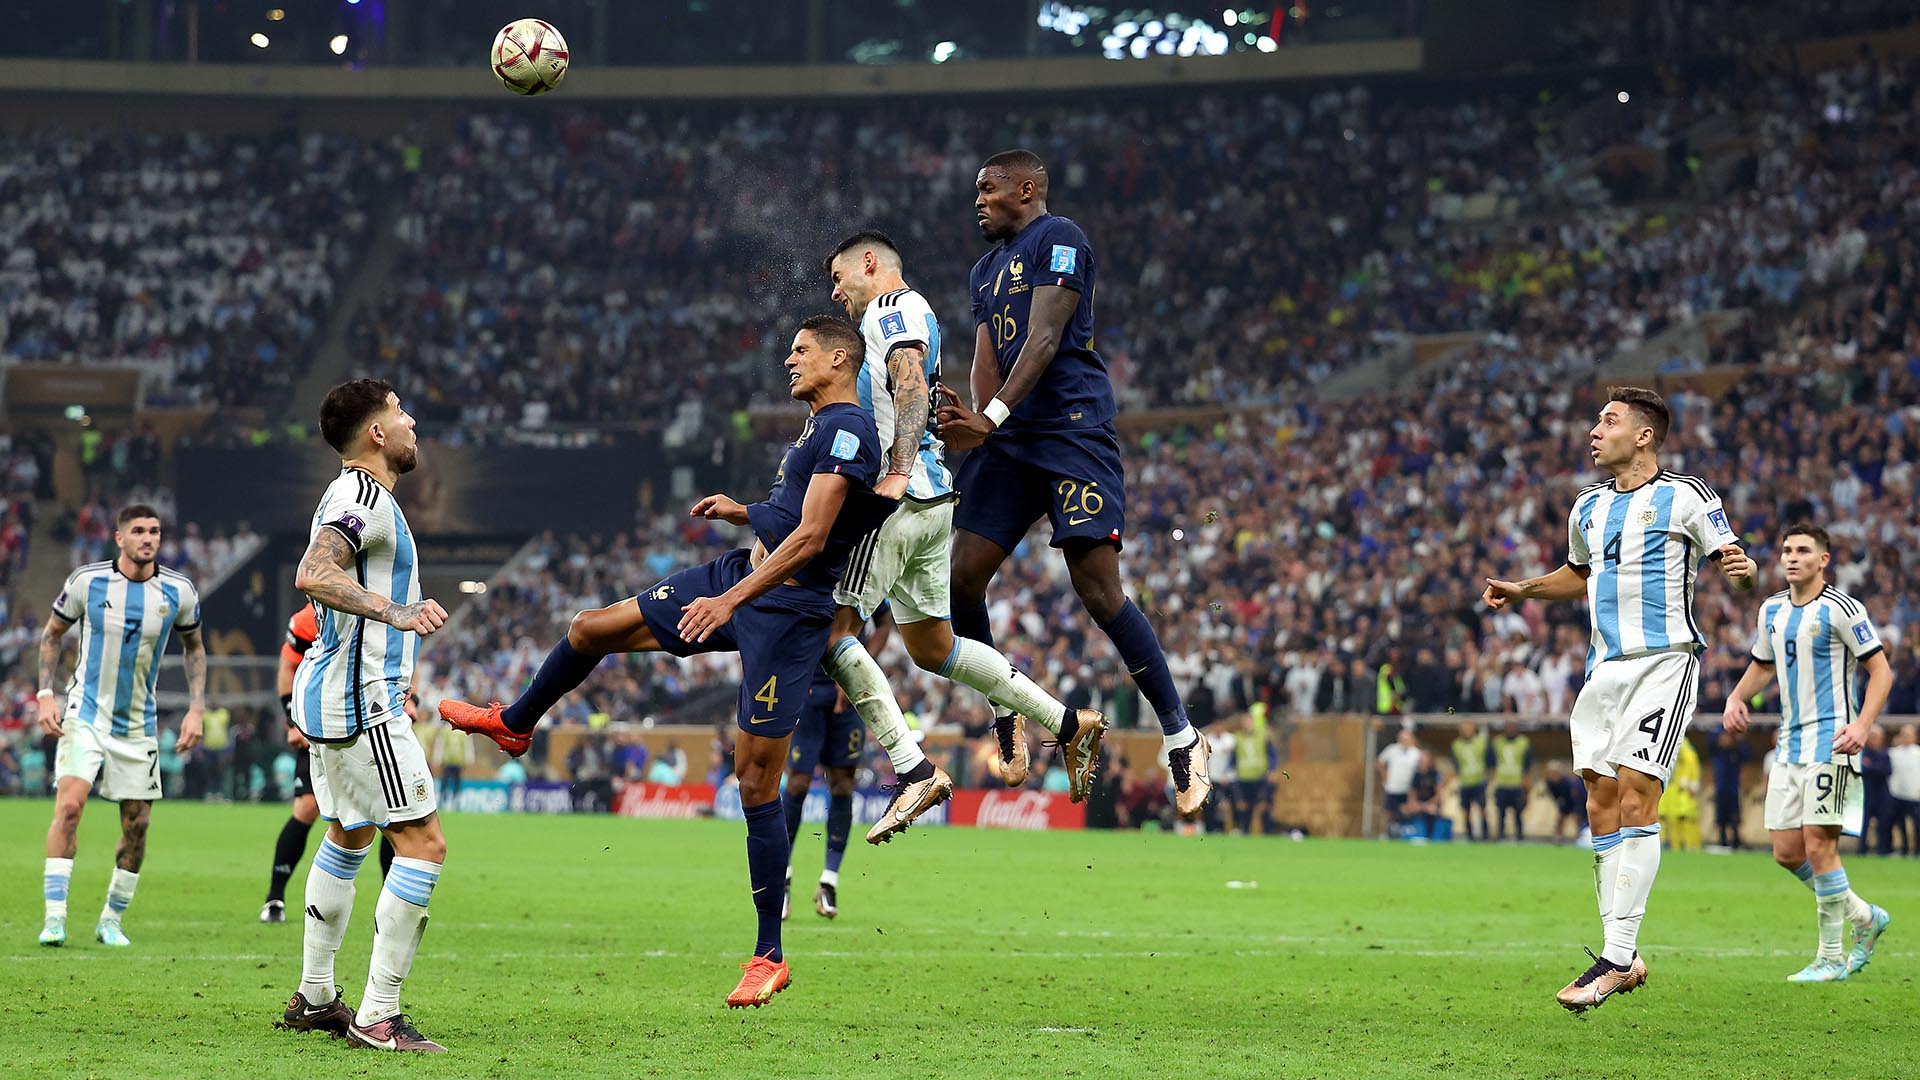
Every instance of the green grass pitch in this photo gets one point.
(604, 947)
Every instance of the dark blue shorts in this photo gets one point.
(1073, 478)
(1473, 794)
(780, 638)
(825, 736)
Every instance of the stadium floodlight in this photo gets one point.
(259, 40)
(1267, 44)
(276, 14)
(1139, 47)
(1623, 97)
(338, 44)
(944, 51)
(1229, 16)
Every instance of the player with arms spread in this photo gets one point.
(773, 605)
(1816, 638)
(302, 629)
(1047, 447)
(108, 729)
(361, 569)
(908, 561)
(1634, 547)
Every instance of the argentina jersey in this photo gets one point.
(124, 626)
(1643, 550)
(358, 671)
(1816, 648)
(896, 319)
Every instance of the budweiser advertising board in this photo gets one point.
(998, 809)
(664, 801)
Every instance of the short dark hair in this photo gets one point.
(1017, 158)
(347, 408)
(1812, 532)
(863, 238)
(1651, 407)
(134, 512)
(837, 333)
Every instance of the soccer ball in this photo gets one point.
(529, 56)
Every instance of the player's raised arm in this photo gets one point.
(826, 492)
(323, 577)
(1567, 583)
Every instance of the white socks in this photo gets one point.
(59, 876)
(1639, 864)
(399, 922)
(981, 666)
(1185, 737)
(866, 687)
(329, 907)
(1606, 871)
(830, 877)
(119, 894)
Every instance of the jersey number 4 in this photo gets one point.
(1611, 552)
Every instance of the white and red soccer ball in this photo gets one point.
(529, 56)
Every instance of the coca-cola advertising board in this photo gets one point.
(998, 809)
(664, 801)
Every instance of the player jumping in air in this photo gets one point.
(774, 605)
(908, 561)
(1634, 547)
(362, 571)
(302, 629)
(1047, 447)
(1815, 638)
(126, 609)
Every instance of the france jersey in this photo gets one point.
(1075, 391)
(1643, 549)
(124, 626)
(1816, 648)
(893, 320)
(358, 671)
(838, 438)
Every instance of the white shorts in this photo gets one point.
(908, 560)
(1818, 793)
(380, 778)
(119, 766)
(1633, 713)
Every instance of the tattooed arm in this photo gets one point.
(195, 648)
(323, 576)
(48, 702)
(906, 369)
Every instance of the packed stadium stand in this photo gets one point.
(1358, 328)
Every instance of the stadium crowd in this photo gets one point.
(208, 263)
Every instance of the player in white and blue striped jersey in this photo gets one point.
(362, 572)
(1816, 639)
(1635, 547)
(908, 560)
(126, 608)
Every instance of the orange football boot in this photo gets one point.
(478, 721)
(762, 980)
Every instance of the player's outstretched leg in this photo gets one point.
(399, 922)
(316, 1005)
(591, 636)
(921, 785)
(1095, 570)
(936, 648)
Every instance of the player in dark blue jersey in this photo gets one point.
(773, 604)
(830, 736)
(1044, 442)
